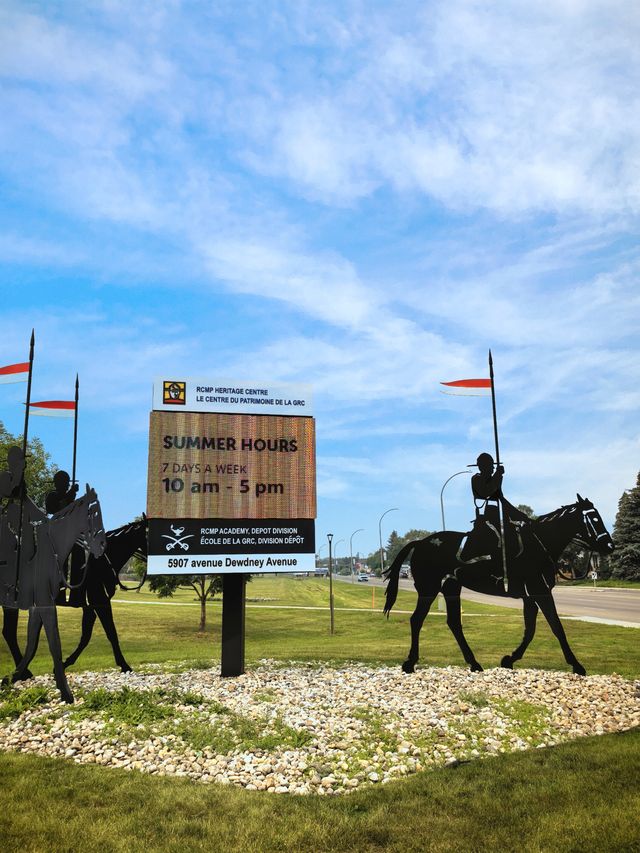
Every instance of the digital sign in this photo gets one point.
(230, 492)
(230, 466)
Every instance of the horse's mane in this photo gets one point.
(126, 528)
(117, 550)
(557, 513)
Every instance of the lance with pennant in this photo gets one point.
(75, 434)
(500, 509)
(24, 456)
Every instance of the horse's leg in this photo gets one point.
(10, 633)
(417, 620)
(49, 616)
(530, 613)
(33, 635)
(105, 615)
(451, 591)
(88, 621)
(548, 607)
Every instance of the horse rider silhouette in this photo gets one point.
(62, 495)
(485, 539)
(13, 491)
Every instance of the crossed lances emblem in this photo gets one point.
(177, 538)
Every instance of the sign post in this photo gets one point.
(231, 488)
(233, 612)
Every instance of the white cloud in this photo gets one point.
(15, 248)
(512, 108)
(326, 288)
(34, 49)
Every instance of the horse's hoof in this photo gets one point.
(408, 667)
(475, 667)
(65, 693)
(507, 662)
(126, 668)
(20, 676)
(578, 669)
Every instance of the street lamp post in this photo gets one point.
(359, 530)
(393, 509)
(318, 554)
(335, 551)
(457, 474)
(330, 538)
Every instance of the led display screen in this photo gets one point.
(235, 466)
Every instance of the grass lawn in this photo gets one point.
(604, 582)
(579, 796)
(156, 630)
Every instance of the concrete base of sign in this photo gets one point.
(233, 610)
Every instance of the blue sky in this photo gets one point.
(364, 197)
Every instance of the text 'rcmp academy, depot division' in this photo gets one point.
(231, 478)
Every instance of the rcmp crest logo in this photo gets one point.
(177, 539)
(174, 393)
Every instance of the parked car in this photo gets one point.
(363, 577)
(404, 570)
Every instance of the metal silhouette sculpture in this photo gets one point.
(102, 579)
(63, 493)
(40, 574)
(495, 516)
(33, 548)
(18, 512)
(532, 560)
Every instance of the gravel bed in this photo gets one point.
(309, 728)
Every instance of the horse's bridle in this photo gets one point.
(590, 518)
(139, 553)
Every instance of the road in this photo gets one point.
(606, 604)
(602, 604)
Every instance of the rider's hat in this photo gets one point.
(484, 460)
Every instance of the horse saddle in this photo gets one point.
(481, 543)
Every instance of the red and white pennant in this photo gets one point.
(14, 373)
(468, 387)
(54, 408)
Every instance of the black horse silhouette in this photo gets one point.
(435, 568)
(101, 580)
(41, 575)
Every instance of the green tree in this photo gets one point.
(395, 544)
(527, 510)
(577, 560)
(414, 534)
(625, 560)
(39, 469)
(401, 541)
(204, 586)
(137, 566)
(373, 561)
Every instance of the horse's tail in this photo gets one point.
(392, 575)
